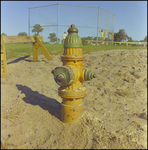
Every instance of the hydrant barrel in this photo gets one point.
(70, 77)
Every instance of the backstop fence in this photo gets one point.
(57, 17)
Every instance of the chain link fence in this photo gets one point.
(57, 17)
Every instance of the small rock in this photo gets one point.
(145, 80)
(9, 135)
(126, 80)
(105, 91)
(103, 59)
(103, 83)
(99, 88)
(143, 116)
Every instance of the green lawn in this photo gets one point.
(19, 50)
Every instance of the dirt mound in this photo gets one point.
(115, 108)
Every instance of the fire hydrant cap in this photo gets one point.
(72, 40)
(88, 75)
(64, 76)
(72, 29)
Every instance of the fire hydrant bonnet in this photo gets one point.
(72, 40)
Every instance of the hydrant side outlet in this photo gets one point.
(64, 76)
(70, 77)
(88, 75)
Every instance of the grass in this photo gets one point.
(18, 50)
(91, 48)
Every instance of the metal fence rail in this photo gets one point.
(127, 43)
(103, 18)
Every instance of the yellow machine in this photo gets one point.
(70, 77)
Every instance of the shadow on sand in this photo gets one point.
(19, 59)
(46, 103)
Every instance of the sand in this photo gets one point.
(115, 108)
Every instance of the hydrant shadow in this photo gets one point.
(46, 103)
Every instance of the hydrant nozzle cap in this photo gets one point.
(63, 76)
(88, 75)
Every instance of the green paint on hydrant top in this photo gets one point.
(72, 40)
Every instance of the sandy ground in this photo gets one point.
(115, 108)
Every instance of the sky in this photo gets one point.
(129, 15)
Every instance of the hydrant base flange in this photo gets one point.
(79, 93)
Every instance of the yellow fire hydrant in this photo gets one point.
(70, 77)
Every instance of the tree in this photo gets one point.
(145, 39)
(83, 40)
(130, 39)
(22, 34)
(120, 36)
(95, 38)
(35, 34)
(4, 34)
(89, 38)
(116, 37)
(37, 28)
(53, 38)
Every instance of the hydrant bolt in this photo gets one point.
(61, 77)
